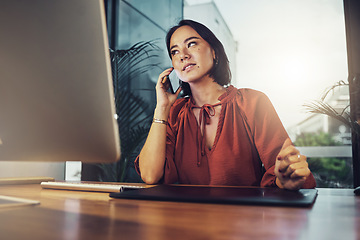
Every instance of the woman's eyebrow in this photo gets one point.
(186, 40)
(190, 38)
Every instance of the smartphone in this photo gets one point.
(171, 82)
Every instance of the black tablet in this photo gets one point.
(223, 195)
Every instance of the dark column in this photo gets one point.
(352, 24)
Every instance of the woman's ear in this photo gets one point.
(215, 59)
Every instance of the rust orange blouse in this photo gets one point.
(249, 137)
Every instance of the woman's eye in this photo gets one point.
(174, 52)
(191, 44)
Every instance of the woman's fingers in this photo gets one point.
(296, 169)
(286, 148)
(164, 98)
(300, 173)
(162, 75)
(291, 167)
(284, 164)
(288, 151)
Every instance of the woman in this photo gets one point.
(218, 135)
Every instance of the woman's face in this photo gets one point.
(192, 56)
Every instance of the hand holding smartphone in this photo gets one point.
(171, 83)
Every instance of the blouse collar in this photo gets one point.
(206, 112)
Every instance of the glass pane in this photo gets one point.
(141, 26)
(142, 21)
(164, 13)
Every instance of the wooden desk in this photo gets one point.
(88, 215)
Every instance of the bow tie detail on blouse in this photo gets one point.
(206, 112)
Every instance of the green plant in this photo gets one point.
(133, 120)
(333, 172)
(322, 107)
(315, 139)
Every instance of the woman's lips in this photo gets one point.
(188, 67)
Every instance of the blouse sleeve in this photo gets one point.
(176, 114)
(170, 171)
(269, 136)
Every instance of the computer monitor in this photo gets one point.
(56, 93)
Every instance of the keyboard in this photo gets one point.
(91, 187)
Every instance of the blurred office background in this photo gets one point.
(291, 50)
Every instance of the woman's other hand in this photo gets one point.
(291, 168)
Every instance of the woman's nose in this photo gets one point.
(184, 56)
